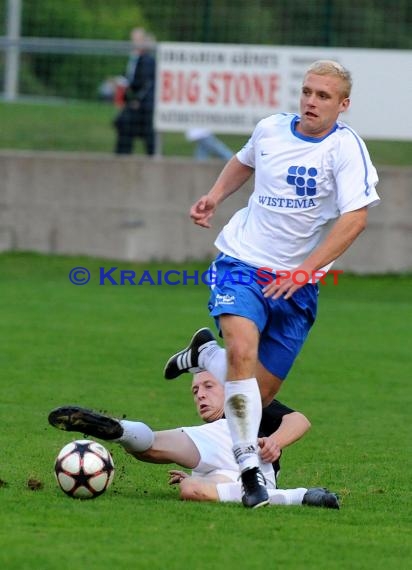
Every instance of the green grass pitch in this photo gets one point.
(87, 127)
(105, 346)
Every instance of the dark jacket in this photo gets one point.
(142, 86)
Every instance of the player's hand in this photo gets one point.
(283, 289)
(286, 282)
(175, 476)
(202, 211)
(269, 450)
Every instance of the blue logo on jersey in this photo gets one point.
(303, 179)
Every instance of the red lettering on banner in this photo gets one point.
(179, 87)
(166, 86)
(273, 89)
(227, 80)
(244, 89)
(259, 89)
(213, 89)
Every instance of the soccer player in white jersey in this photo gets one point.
(314, 182)
(206, 449)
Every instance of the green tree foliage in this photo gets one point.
(75, 76)
(368, 23)
(339, 23)
(91, 19)
(335, 23)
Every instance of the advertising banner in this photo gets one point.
(229, 88)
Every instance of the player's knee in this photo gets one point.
(269, 385)
(268, 392)
(241, 354)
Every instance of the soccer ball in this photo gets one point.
(84, 469)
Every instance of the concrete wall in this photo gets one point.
(135, 208)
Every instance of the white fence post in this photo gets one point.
(12, 60)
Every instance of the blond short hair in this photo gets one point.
(335, 69)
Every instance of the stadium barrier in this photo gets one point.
(134, 208)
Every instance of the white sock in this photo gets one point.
(243, 411)
(137, 436)
(213, 359)
(231, 492)
(286, 496)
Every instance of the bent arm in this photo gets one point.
(292, 428)
(344, 232)
(232, 177)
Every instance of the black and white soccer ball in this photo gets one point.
(84, 469)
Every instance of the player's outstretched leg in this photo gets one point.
(75, 418)
(254, 492)
(187, 360)
(321, 497)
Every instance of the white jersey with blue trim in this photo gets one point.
(302, 184)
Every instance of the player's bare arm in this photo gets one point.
(232, 177)
(344, 232)
(293, 427)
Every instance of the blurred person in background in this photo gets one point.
(207, 145)
(135, 119)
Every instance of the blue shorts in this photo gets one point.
(236, 289)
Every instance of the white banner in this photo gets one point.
(228, 88)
